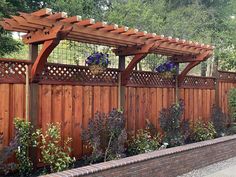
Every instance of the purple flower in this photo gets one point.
(98, 59)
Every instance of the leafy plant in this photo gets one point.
(185, 130)
(7, 152)
(25, 141)
(170, 122)
(219, 120)
(143, 142)
(231, 130)
(232, 103)
(203, 131)
(106, 136)
(53, 153)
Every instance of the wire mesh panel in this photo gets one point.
(75, 53)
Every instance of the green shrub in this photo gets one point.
(106, 136)
(54, 154)
(203, 131)
(232, 103)
(219, 120)
(170, 123)
(142, 143)
(25, 141)
(231, 130)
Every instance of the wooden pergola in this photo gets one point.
(48, 28)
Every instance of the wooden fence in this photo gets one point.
(71, 95)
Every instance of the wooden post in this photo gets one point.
(121, 91)
(216, 76)
(34, 98)
(177, 85)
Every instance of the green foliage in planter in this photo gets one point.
(219, 120)
(170, 123)
(203, 131)
(232, 103)
(106, 136)
(143, 142)
(25, 141)
(5, 153)
(231, 130)
(54, 152)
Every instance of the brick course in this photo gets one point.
(163, 163)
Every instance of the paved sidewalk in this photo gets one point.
(225, 168)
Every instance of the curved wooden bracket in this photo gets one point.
(125, 74)
(137, 58)
(192, 64)
(40, 61)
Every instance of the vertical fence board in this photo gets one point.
(5, 113)
(46, 109)
(77, 122)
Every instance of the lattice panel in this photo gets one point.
(227, 76)
(199, 82)
(77, 74)
(149, 79)
(12, 70)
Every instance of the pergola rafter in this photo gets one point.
(48, 28)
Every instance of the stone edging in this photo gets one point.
(138, 158)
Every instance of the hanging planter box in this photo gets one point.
(97, 63)
(167, 70)
(97, 69)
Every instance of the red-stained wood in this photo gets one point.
(114, 97)
(159, 106)
(77, 121)
(153, 106)
(46, 106)
(200, 104)
(39, 63)
(106, 99)
(5, 113)
(186, 101)
(125, 74)
(204, 104)
(57, 99)
(191, 105)
(97, 99)
(208, 104)
(196, 103)
(165, 97)
(67, 117)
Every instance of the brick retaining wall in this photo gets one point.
(163, 163)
